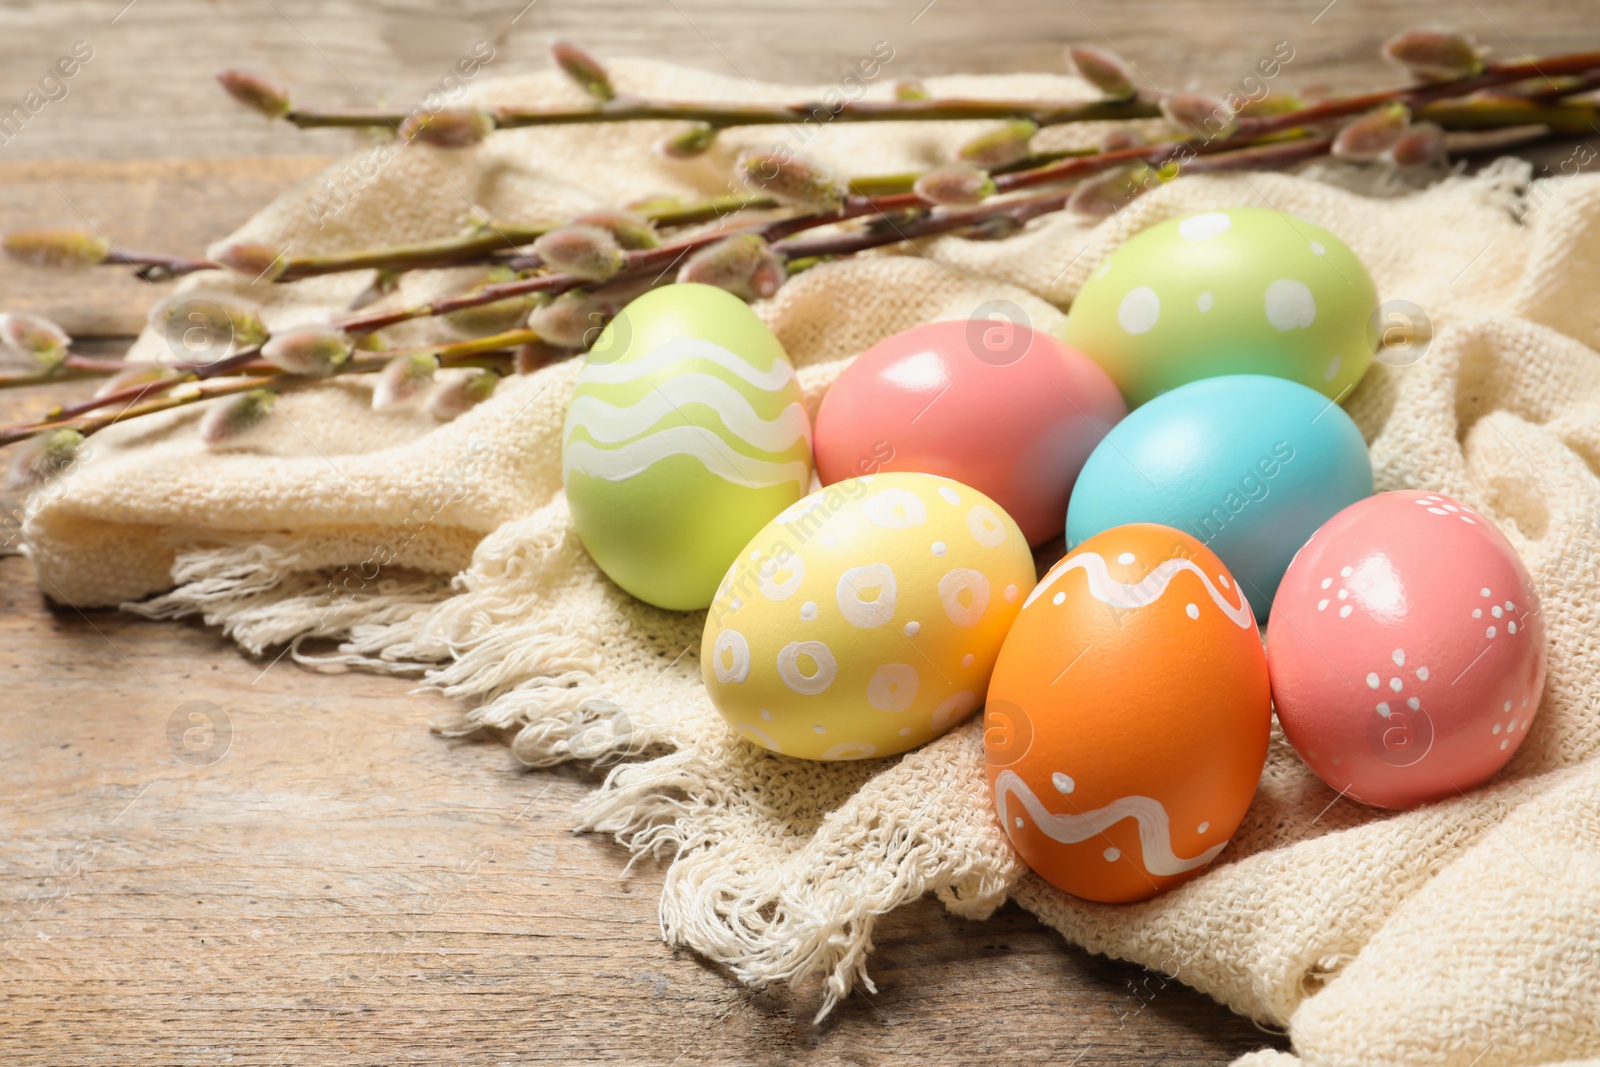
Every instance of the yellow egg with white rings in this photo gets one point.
(866, 618)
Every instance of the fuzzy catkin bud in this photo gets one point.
(258, 262)
(43, 458)
(586, 252)
(315, 351)
(1002, 147)
(791, 180)
(572, 320)
(632, 231)
(1106, 194)
(1104, 71)
(536, 355)
(955, 184)
(1422, 144)
(1121, 140)
(1199, 115)
(37, 338)
(461, 393)
(447, 128)
(695, 141)
(745, 265)
(403, 379)
(56, 247)
(256, 93)
(1373, 134)
(584, 69)
(499, 316)
(236, 416)
(1435, 55)
(993, 228)
(217, 324)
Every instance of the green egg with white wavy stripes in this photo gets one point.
(1237, 291)
(686, 433)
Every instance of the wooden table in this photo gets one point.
(337, 883)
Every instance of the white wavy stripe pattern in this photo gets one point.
(619, 464)
(682, 350)
(1155, 830)
(608, 423)
(1107, 590)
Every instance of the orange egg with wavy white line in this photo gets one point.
(1128, 715)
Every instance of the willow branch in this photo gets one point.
(719, 115)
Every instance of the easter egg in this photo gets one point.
(991, 403)
(1128, 715)
(1407, 650)
(1248, 464)
(686, 433)
(865, 619)
(1238, 291)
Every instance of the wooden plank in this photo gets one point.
(317, 876)
(167, 205)
(340, 882)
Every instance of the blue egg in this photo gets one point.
(1249, 464)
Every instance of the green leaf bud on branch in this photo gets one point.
(695, 141)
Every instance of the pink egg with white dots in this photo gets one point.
(1406, 649)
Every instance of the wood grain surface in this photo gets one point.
(303, 873)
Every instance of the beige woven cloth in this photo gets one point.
(1463, 933)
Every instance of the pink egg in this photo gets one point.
(991, 403)
(1406, 650)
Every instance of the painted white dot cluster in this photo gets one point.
(1501, 612)
(1396, 683)
(1438, 505)
(1514, 723)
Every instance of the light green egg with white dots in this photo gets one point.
(1236, 291)
(686, 433)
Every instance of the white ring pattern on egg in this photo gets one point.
(895, 509)
(731, 645)
(975, 585)
(953, 709)
(759, 736)
(775, 588)
(986, 527)
(796, 679)
(850, 750)
(893, 687)
(866, 595)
